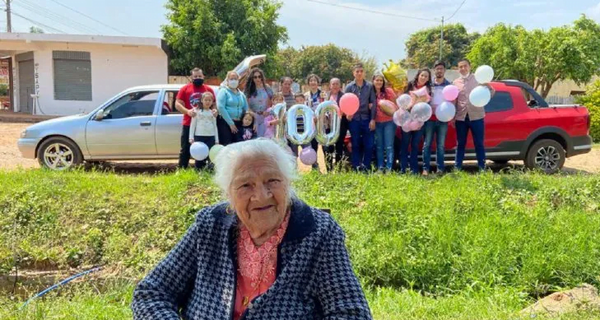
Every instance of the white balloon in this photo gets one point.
(480, 96)
(484, 74)
(199, 150)
(307, 115)
(295, 87)
(404, 101)
(445, 111)
(421, 112)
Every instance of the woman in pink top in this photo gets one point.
(385, 127)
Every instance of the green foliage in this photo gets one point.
(216, 34)
(540, 57)
(423, 47)
(34, 29)
(592, 101)
(3, 89)
(327, 61)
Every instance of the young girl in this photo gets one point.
(270, 120)
(204, 125)
(413, 138)
(247, 132)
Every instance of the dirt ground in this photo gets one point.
(10, 157)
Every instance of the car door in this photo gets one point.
(126, 128)
(168, 126)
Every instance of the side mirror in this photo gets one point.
(532, 103)
(99, 115)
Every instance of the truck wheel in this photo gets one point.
(59, 153)
(546, 155)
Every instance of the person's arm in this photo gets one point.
(338, 290)
(216, 130)
(180, 106)
(159, 295)
(222, 106)
(373, 104)
(193, 128)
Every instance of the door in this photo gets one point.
(168, 126)
(26, 85)
(126, 130)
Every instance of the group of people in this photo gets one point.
(235, 115)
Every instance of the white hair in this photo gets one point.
(230, 157)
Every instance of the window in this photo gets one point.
(72, 75)
(501, 101)
(135, 104)
(168, 105)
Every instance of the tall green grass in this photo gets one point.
(442, 247)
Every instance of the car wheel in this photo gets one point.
(546, 155)
(59, 154)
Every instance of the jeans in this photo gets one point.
(184, 152)
(362, 144)
(439, 129)
(477, 128)
(413, 139)
(210, 142)
(339, 144)
(385, 132)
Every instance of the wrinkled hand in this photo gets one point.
(372, 125)
(233, 128)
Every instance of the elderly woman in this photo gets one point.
(264, 254)
(232, 106)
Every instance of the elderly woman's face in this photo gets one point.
(259, 195)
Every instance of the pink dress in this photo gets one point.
(257, 266)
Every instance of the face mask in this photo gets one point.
(198, 82)
(233, 84)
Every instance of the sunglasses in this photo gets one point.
(257, 77)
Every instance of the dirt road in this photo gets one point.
(10, 157)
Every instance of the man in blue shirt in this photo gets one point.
(362, 124)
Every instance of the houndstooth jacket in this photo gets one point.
(197, 279)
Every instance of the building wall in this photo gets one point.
(114, 68)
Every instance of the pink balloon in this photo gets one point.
(308, 156)
(450, 92)
(422, 93)
(401, 117)
(413, 125)
(349, 104)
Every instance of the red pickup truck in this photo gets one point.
(520, 125)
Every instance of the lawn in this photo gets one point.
(455, 247)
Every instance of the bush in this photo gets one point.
(3, 90)
(592, 101)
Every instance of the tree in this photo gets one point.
(34, 29)
(541, 58)
(217, 34)
(423, 47)
(327, 61)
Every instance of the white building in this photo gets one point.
(57, 74)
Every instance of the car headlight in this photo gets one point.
(23, 133)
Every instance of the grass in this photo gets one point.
(456, 247)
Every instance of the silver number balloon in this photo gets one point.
(279, 114)
(328, 113)
(307, 115)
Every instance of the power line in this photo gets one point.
(371, 11)
(85, 15)
(456, 10)
(42, 11)
(39, 24)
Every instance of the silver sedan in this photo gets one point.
(138, 123)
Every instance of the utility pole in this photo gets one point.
(442, 39)
(8, 17)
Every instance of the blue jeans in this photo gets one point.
(384, 132)
(362, 144)
(478, 131)
(439, 129)
(413, 139)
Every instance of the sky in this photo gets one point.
(311, 22)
